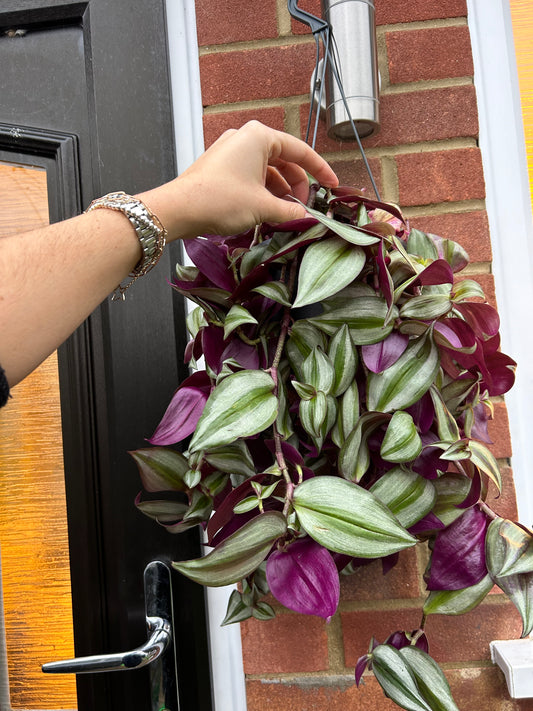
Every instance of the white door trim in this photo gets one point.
(227, 673)
(508, 202)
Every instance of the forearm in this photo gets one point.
(53, 278)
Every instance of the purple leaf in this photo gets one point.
(474, 492)
(212, 261)
(501, 368)
(458, 557)
(385, 280)
(422, 413)
(304, 578)
(455, 334)
(362, 664)
(184, 410)
(483, 318)
(380, 356)
(245, 354)
(438, 272)
(213, 345)
(429, 524)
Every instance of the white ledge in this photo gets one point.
(515, 659)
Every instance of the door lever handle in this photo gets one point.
(158, 601)
(122, 661)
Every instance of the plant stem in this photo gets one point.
(274, 373)
(486, 509)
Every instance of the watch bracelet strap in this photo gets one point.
(148, 228)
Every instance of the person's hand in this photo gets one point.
(246, 177)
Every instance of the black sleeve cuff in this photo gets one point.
(4, 388)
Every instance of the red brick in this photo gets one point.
(461, 638)
(317, 694)
(360, 626)
(369, 583)
(216, 124)
(504, 503)
(263, 73)
(499, 432)
(473, 688)
(353, 173)
(287, 643)
(484, 689)
(234, 21)
(443, 176)
(393, 11)
(433, 53)
(466, 638)
(470, 229)
(411, 117)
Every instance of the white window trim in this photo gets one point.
(227, 673)
(508, 203)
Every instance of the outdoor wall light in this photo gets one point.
(354, 50)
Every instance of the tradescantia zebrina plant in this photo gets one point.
(340, 415)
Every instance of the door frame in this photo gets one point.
(508, 203)
(139, 341)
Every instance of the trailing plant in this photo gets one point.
(340, 415)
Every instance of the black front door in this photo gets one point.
(84, 93)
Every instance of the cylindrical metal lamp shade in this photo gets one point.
(354, 45)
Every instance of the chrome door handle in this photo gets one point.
(158, 602)
(122, 661)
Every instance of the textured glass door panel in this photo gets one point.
(522, 17)
(33, 526)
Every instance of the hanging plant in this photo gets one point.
(340, 415)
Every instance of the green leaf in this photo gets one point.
(402, 442)
(161, 469)
(192, 478)
(429, 678)
(354, 456)
(243, 404)
(303, 337)
(485, 460)
(263, 611)
(467, 289)
(318, 370)
(407, 379)
(509, 547)
(239, 554)
(237, 316)
(347, 415)
(457, 602)
(452, 488)
(234, 458)
(347, 232)
(447, 426)
(275, 290)
(326, 268)
(407, 494)
(305, 392)
(237, 610)
(345, 518)
(247, 504)
(396, 678)
(426, 307)
(343, 355)
(419, 244)
(517, 587)
(163, 511)
(365, 316)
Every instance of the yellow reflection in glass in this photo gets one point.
(33, 526)
(522, 17)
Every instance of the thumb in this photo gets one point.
(279, 210)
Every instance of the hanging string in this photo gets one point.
(323, 33)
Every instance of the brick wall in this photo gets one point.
(256, 63)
